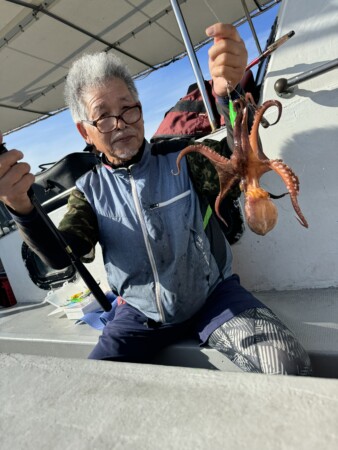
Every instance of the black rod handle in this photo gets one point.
(284, 86)
(76, 262)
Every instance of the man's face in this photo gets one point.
(125, 141)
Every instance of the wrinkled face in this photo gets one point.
(125, 141)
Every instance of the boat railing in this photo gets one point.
(284, 87)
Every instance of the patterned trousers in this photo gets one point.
(257, 341)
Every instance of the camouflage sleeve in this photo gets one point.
(80, 221)
(203, 173)
(78, 228)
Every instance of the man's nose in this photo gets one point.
(120, 124)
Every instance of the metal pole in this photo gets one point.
(194, 62)
(284, 86)
(253, 31)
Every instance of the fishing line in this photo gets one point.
(212, 11)
(251, 106)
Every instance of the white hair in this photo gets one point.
(90, 71)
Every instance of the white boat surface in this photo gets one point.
(190, 397)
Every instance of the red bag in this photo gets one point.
(188, 118)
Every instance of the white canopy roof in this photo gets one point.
(39, 41)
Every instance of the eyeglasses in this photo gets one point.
(109, 123)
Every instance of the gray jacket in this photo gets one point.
(156, 253)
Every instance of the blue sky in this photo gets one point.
(51, 139)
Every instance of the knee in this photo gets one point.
(290, 363)
(272, 361)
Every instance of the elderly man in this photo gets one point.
(172, 276)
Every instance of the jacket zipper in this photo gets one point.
(171, 200)
(148, 247)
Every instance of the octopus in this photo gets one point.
(246, 166)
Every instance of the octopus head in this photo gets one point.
(260, 212)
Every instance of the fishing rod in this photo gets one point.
(270, 49)
(75, 261)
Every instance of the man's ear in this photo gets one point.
(82, 130)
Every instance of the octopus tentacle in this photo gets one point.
(226, 173)
(292, 184)
(213, 156)
(301, 219)
(262, 109)
(254, 136)
(225, 186)
(251, 104)
(246, 145)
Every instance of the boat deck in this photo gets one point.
(53, 394)
(62, 404)
(311, 314)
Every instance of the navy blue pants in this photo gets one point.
(132, 337)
